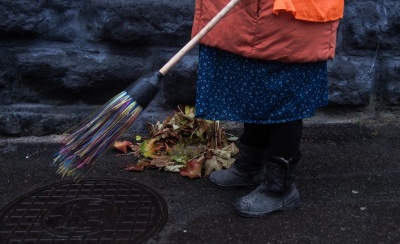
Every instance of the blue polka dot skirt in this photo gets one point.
(234, 88)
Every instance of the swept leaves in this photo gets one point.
(182, 143)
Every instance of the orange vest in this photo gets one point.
(281, 30)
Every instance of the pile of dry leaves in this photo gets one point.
(192, 146)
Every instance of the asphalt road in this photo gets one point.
(349, 181)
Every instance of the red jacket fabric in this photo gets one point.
(253, 30)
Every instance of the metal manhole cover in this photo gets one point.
(89, 211)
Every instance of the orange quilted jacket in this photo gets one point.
(282, 30)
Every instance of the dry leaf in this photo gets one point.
(139, 166)
(193, 168)
(174, 168)
(226, 163)
(161, 162)
(150, 147)
(123, 146)
(210, 165)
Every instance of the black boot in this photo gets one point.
(247, 170)
(277, 193)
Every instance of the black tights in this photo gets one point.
(282, 140)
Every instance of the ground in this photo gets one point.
(349, 181)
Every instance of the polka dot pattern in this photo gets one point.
(234, 88)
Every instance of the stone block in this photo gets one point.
(351, 80)
(52, 20)
(39, 119)
(179, 86)
(390, 78)
(20, 17)
(7, 72)
(135, 21)
(139, 22)
(370, 25)
(73, 76)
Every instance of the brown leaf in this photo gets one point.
(226, 163)
(161, 162)
(193, 168)
(208, 154)
(136, 149)
(150, 148)
(151, 129)
(210, 165)
(123, 146)
(232, 148)
(139, 166)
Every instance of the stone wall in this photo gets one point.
(60, 60)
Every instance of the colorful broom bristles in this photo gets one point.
(87, 144)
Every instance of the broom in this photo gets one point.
(104, 127)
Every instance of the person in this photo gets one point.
(265, 65)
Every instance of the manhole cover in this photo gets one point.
(89, 211)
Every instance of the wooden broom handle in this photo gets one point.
(195, 40)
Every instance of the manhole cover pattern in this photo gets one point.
(89, 211)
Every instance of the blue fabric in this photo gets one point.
(234, 88)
